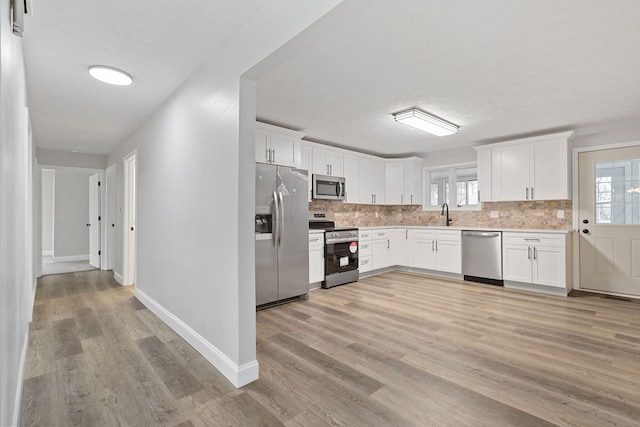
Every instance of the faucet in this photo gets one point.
(448, 219)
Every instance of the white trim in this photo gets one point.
(71, 258)
(18, 401)
(47, 253)
(32, 299)
(118, 277)
(450, 168)
(238, 375)
(576, 202)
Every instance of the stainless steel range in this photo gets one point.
(340, 251)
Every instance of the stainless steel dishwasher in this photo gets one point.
(482, 256)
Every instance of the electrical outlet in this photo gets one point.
(494, 214)
(560, 213)
(356, 214)
(376, 214)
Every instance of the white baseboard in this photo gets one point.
(237, 375)
(47, 253)
(18, 401)
(118, 277)
(33, 299)
(71, 258)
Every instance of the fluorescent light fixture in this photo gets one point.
(426, 122)
(110, 75)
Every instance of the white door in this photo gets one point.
(129, 273)
(609, 219)
(110, 213)
(94, 220)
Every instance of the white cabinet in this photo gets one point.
(381, 249)
(484, 174)
(351, 166)
(535, 168)
(278, 146)
(401, 245)
(327, 161)
(535, 258)
(394, 190)
(372, 180)
(404, 181)
(412, 181)
(439, 250)
(316, 257)
(305, 163)
(365, 253)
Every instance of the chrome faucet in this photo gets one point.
(448, 219)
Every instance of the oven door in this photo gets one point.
(327, 187)
(341, 257)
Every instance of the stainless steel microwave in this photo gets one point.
(328, 187)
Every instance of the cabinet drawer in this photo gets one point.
(538, 239)
(364, 263)
(365, 248)
(424, 234)
(364, 235)
(452, 235)
(380, 234)
(316, 240)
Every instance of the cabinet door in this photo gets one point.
(394, 188)
(320, 164)
(403, 247)
(510, 173)
(284, 150)
(335, 160)
(364, 264)
(423, 253)
(316, 265)
(484, 175)
(413, 181)
(516, 263)
(351, 178)
(305, 163)
(365, 181)
(378, 179)
(549, 173)
(549, 266)
(448, 256)
(380, 253)
(262, 147)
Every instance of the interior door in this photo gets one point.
(94, 220)
(609, 219)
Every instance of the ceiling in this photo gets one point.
(497, 68)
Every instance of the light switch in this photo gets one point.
(494, 214)
(561, 213)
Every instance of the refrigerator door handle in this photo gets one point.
(276, 232)
(281, 227)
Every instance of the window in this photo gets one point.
(618, 192)
(462, 178)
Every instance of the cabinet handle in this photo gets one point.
(527, 197)
(528, 252)
(532, 240)
(436, 246)
(432, 242)
(402, 199)
(534, 253)
(531, 193)
(406, 234)
(314, 240)
(388, 243)
(273, 150)
(267, 154)
(412, 199)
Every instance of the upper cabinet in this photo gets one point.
(327, 161)
(351, 163)
(535, 168)
(372, 180)
(404, 181)
(278, 146)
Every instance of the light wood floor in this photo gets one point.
(395, 349)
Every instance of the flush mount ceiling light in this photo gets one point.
(110, 75)
(426, 122)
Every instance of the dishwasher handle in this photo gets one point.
(481, 234)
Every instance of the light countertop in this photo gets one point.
(519, 230)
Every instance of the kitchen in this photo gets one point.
(513, 72)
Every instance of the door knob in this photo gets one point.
(585, 231)
(585, 221)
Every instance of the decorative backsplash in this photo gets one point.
(517, 215)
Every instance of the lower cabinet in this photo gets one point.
(535, 258)
(401, 246)
(381, 249)
(316, 257)
(439, 250)
(364, 255)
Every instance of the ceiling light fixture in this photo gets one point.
(426, 122)
(110, 75)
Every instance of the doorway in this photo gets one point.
(609, 220)
(129, 238)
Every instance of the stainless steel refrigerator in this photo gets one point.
(282, 233)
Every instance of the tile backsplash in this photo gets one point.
(524, 215)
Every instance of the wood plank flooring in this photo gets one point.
(398, 349)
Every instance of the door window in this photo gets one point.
(617, 192)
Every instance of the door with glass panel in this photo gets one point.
(609, 216)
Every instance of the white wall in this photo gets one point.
(48, 190)
(16, 257)
(71, 238)
(195, 165)
(74, 160)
